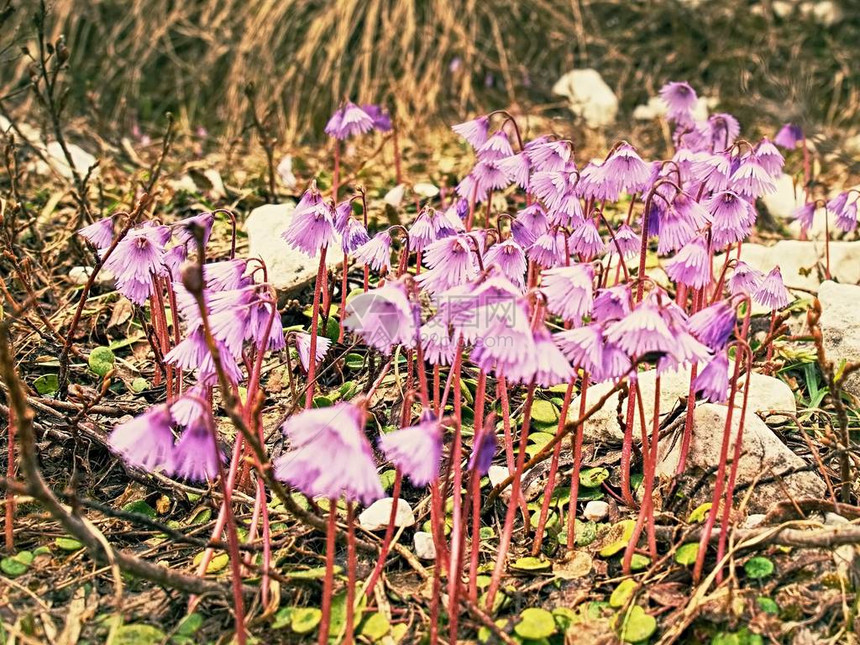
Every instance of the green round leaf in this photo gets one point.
(47, 384)
(767, 605)
(16, 565)
(375, 627)
(140, 507)
(283, 617)
(639, 562)
(758, 567)
(305, 620)
(487, 533)
(593, 477)
(68, 544)
(535, 623)
(138, 635)
(624, 529)
(637, 625)
(531, 564)
(101, 360)
(564, 617)
(700, 512)
(622, 593)
(139, 384)
(544, 413)
(687, 553)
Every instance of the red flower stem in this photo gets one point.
(509, 439)
(389, 534)
(437, 523)
(232, 546)
(576, 440)
(742, 348)
(315, 314)
(627, 448)
(350, 571)
(646, 510)
(343, 288)
(475, 488)
(717, 498)
(770, 331)
(436, 384)
(476, 535)
(507, 531)
(328, 580)
(456, 491)
(553, 469)
(177, 335)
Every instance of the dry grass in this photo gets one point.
(134, 59)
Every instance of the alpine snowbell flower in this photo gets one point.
(474, 131)
(376, 253)
(348, 121)
(195, 456)
(772, 292)
(321, 438)
(303, 348)
(99, 233)
(789, 136)
(146, 441)
(568, 291)
(691, 266)
(312, 225)
(680, 100)
(416, 450)
(383, 317)
(712, 383)
(713, 325)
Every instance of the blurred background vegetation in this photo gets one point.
(132, 60)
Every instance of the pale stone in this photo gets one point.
(766, 394)
(595, 511)
(81, 275)
(375, 517)
(394, 197)
(763, 455)
(425, 548)
(425, 190)
(498, 474)
(753, 520)
(589, 95)
(785, 200)
(81, 160)
(840, 314)
(656, 108)
(285, 173)
(288, 268)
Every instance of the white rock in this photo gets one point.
(785, 200)
(424, 546)
(425, 190)
(656, 108)
(80, 275)
(763, 455)
(753, 520)
(595, 510)
(216, 184)
(285, 173)
(375, 517)
(498, 474)
(840, 313)
(81, 159)
(767, 393)
(287, 267)
(394, 197)
(834, 519)
(589, 95)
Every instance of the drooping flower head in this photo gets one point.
(303, 347)
(416, 450)
(348, 121)
(510, 258)
(772, 292)
(484, 447)
(379, 115)
(474, 131)
(712, 383)
(745, 279)
(588, 350)
(680, 100)
(146, 441)
(136, 258)
(353, 236)
(383, 317)
(789, 136)
(569, 291)
(99, 233)
(329, 455)
(452, 262)
(552, 368)
(586, 241)
(376, 253)
(549, 249)
(312, 225)
(692, 265)
(195, 456)
(713, 325)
